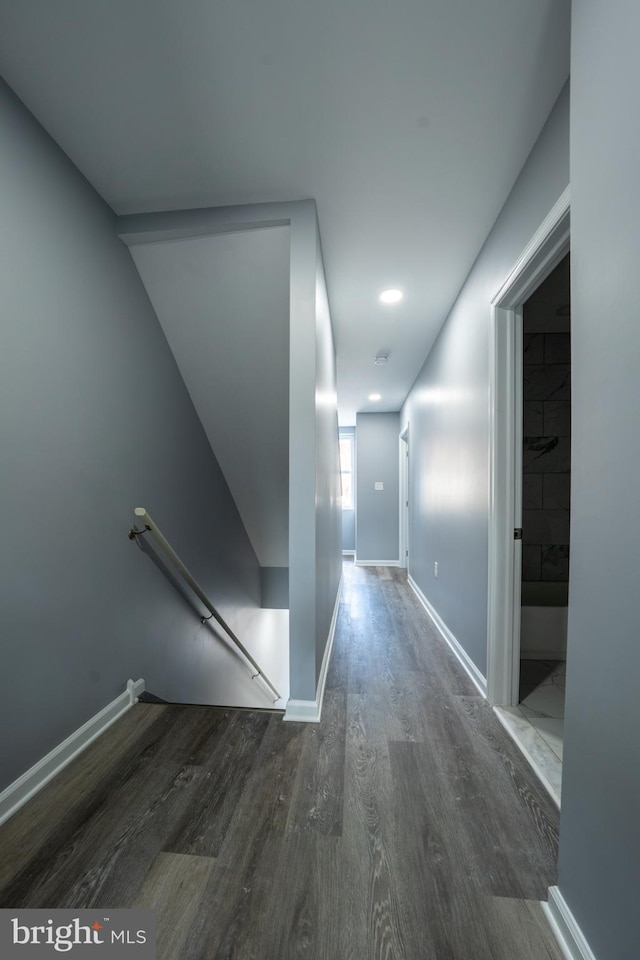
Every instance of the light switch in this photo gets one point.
(378, 485)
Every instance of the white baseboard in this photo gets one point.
(303, 711)
(377, 563)
(21, 790)
(570, 937)
(479, 680)
(310, 711)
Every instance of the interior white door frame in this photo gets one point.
(404, 497)
(542, 254)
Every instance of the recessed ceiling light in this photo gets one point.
(375, 396)
(391, 296)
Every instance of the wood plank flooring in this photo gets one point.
(404, 826)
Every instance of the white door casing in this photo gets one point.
(542, 254)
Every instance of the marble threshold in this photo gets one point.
(536, 725)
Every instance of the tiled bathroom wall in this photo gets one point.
(547, 441)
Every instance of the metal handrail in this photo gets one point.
(154, 530)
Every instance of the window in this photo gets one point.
(346, 470)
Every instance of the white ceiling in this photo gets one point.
(408, 122)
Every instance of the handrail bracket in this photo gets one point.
(134, 532)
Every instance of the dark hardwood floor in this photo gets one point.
(404, 826)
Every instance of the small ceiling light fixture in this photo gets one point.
(380, 358)
(391, 296)
(375, 396)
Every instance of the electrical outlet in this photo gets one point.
(435, 569)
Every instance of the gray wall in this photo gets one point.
(448, 406)
(327, 507)
(349, 531)
(275, 587)
(599, 868)
(314, 471)
(378, 511)
(94, 420)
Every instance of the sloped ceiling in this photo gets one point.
(408, 122)
(223, 303)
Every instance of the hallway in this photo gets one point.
(405, 825)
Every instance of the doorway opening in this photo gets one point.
(510, 459)
(404, 498)
(546, 480)
(347, 440)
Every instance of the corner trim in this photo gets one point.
(539, 253)
(33, 780)
(565, 928)
(474, 674)
(310, 711)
